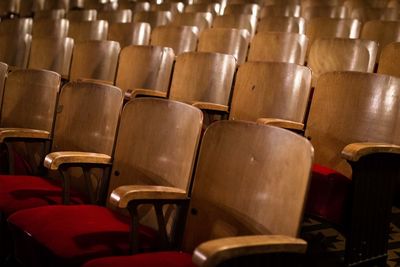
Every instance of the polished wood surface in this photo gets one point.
(278, 46)
(86, 63)
(92, 129)
(14, 49)
(157, 144)
(355, 151)
(213, 253)
(241, 160)
(50, 14)
(352, 107)
(390, 56)
(383, 32)
(3, 76)
(29, 99)
(271, 90)
(201, 20)
(134, 6)
(82, 15)
(55, 159)
(365, 14)
(88, 30)
(57, 28)
(51, 54)
(180, 38)
(281, 24)
(247, 22)
(339, 12)
(338, 54)
(8, 7)
(237, 9)
(174, 7)
(23, 133)
(203, 77)
(136, 33)
(145, 67)
(154, 18)
(307, 3)
(286, 124)
(56, 4)
(116, 16)
(280, 11)
(213, 8)
(234, 42)
(16, 26)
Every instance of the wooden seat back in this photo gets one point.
(281, 24)
(338, 54)
(16, 26)
(82, 15)
(278, 46)
(180, 38)
(9, 7)
(53, 54)
(224, 40)
(135, 33)
(339, 12)
(50, 14)
(247, 22)
(47, 28)
(238, 9)
(154, 18)
(213, 8)
(243, 160)
(365, 14)
(88, 30)
(145, 67)
(203, 77)
(271, 90)
(116, 16)
(87, 64)
(388, 63)
(14, 49)
(29, 99)
(201, 20)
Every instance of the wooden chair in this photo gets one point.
(167, 133)
(389, 57)
(82, 15)
(9, 8)
(237, 9)
(56, 4)
(272, 92)
(29, 7)
(16, 26)
(365, 14)
(278, 46)
(134, 6)
(281, 24)
(154, 18)
(180, 38)
(145, 71)
(53, 54)
(88, 30)
(335, 12)
(135, 33)
(280, 10)
(331, 28)
(247, 22)
(308, 3)
(47, 28)
(234, 42)
(50, 14)
(383, 32)
(213, 8)
(240, 174)
(354, 4)
(116, 16)
(281, 2)
(347, 193)
(204, 80)
(341, 55)
(201, 20)
(173, 7)
(87, 64)
(14, 50)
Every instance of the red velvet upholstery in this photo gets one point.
(75, 234)
(23, 192)
(329, 194)
(160, 259)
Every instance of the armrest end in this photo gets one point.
(54, 160)
(130, 94)
(353, 152)
(23, 133)
(287, 124)
(211, 106)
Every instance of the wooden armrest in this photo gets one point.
(355, 151)
(55, 159)
(121, 196)
(129, 94)
(211, 106)
(281, 123)
(95, 81)
(23, 133)
(214, 252)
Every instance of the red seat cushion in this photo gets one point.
(329, 194)
(160, 259)
(23, 192)
(74, 234)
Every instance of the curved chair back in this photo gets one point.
(135, 33)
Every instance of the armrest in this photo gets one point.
(55, 159)
(95, 81)
(355, 151)
(211, 106)
(122, 195)
(129, 94)
(23, 133)
(214, 252)
(281, 123)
